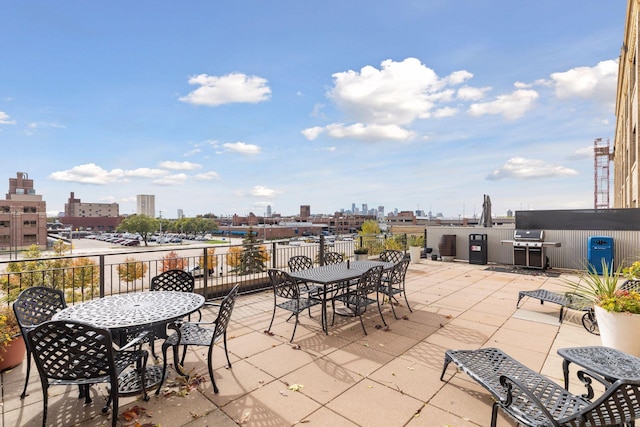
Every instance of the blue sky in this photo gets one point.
(229, 106)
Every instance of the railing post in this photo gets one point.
(205, 266)
(102, 278)
(321, 251)
(274, 255)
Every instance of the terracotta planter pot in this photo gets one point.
(619, 330)
(12, 354)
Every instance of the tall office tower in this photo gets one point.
(268, 210)
(305, 211)
(146, 205)
(180, 213)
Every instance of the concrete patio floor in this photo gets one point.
(389, 377)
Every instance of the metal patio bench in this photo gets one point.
(534, 400)
(566, 300)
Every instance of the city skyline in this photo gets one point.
(230, 107)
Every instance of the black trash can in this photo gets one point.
(478, 249)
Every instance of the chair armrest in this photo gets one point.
(508, 383)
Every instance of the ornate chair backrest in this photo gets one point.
(631, 285)
(37, 304)
(173, 280)
(398, 272)
(333, 258)
(300, 262)
(618, 405)
(369, 281)
(224, 314)
(284, 285)
(73, 351)
(391, 256)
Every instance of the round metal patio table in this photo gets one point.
(139, 310)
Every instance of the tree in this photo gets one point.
(172, 261)
(141, 224)
(253, 256)
(132, 270)
(369, 237)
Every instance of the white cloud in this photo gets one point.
(469, 93)
(242, 148)
(598, 83)
(207, 176)
(521, 168)
(369, 132)
(170, 180)
(582, 153)
(261, 191)
(173, 165)
(512, 106)
(312, 133)
(396, 94)
(4, 119)
(227, 89)
(445, 112)
(89, 173)
(144, 173)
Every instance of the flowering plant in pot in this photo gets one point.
(12, 348)
(361, 252)
(616, 305)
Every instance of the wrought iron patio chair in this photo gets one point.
(170, 280)
(287, 295)
(333, 258)
(391, 256)
(359, 298)
(303, 262)
(32, 307)
(68, 352)
(205, 334)
(392, 284)
(534, 400)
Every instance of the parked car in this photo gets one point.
(196, 271)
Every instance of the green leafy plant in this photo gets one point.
(603, 290)
(361, 250)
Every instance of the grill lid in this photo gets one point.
(529, 235)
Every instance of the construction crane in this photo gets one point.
(602, 157)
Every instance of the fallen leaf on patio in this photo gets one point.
(381, 345)
(195, 416)
(441, 325)
(296, 387)
(369, 386)
(448, 316)
(284, 393)
(405, 317)
(244, 418)
(411, 368)
(366, 344)
(393, 374)
(378, 326)
(296, 347)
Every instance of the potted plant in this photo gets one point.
(361, 253)
(617, 306)
(415, 247)
(12, 347)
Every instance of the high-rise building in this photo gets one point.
(268, 210)
(146, 205)
(305, 211)
(626, 182)
(23, 216)
(180, 213)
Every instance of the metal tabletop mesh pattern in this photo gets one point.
(605, 361)
(338, 272)
(135, 309)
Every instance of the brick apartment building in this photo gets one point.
(23, 216)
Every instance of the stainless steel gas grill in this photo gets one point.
(529, 248)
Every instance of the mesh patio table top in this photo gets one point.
(335, 273)
(134, 309)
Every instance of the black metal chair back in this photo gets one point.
(333, 258)
(173, 280)
(358, 299)
(393, 284)
(300, 262)
(69, 352)
(34, 306)
(391, 256)
(286, 287)
(200, 334)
